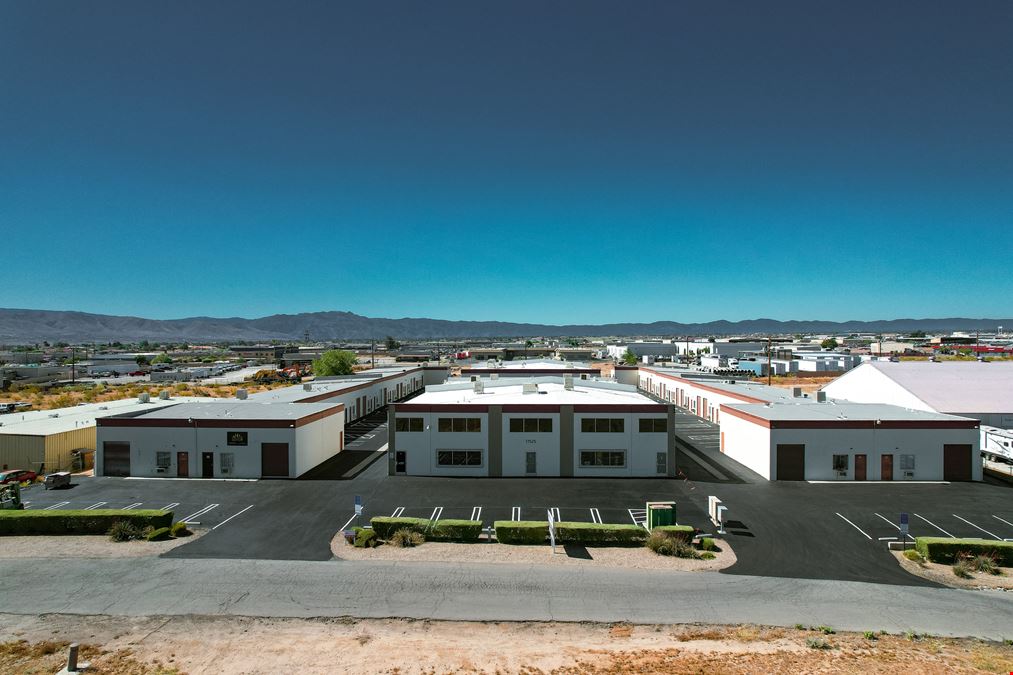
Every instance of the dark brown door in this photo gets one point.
(859, 467)
(400, 461)
(274, 460)
(115, 459)
(956, 462)
(790, 462)
(182, 464)
(207, 461)
(886, 467)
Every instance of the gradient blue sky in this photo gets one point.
(527, 161)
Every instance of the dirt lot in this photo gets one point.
(637, 557)
(808, 385)
(943, 574)
(128, 646)
(65, 397)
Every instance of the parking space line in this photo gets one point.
(595, 516)
(1003, 520)
(642, 520)
(935, 526)
(555, 513)
(437, 512)
(52, 507)
(345, 526)
(853, 525)
(977, 528)
(515, 513)
(397, 512)
(169, 506)
(132, 506)
(95, 506)
(206, 509)
(232, 516)
(894, 525)
(476, 513)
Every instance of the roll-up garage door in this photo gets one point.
(956, 462)
(274, 460)
(115, 459)
(790, 462)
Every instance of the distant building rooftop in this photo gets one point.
(46, 422)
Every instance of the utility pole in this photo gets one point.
(73, 365)
(769, 342)
(372, 353)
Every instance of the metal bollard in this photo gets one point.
(72, 658)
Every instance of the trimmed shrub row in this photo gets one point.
(521, 531)
(684, 532)
(158, 534)
(600, 533)
(444, 530)
(944, 550)
(98, 521)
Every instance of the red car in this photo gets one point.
(17, 476)
(137, 373)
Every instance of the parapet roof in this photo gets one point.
(811, 411)
(335, 385)
(61, 420)
(551, 391)
(238, 410)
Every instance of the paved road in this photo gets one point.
(164, 586)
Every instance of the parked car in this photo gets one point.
(137, 373)
(17, 476)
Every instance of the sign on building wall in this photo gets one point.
(238, 437)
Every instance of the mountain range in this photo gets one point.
(32, 325)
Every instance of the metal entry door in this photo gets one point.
(531, 462)
(400, 461)
(886, 467)
(182, 464)
(207, 460)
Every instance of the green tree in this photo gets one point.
(161, 358)
(392, 344)
(829, 343)
(334, 362)
(918, 334)
(141, 360)
(629, 358)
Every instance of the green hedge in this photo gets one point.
(599, 533)
(385, 526)
(443, 530)
(158, 534)
(455, 530)
(78, 522)
(521, 531)
(945, 550)
(684, 532)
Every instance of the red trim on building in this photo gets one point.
(699, 385)
(850, 424)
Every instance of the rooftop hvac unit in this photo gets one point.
(307, 386)
(478, 386)
(796, 392)
(494, 376)
(145, 397)
(821, 397)
(568, 382)
(164, 395)
(241, 394)
(583, 376)
(530, 388)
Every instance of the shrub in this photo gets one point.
(707, 555)
(179, 530)
(599, 533)
(521, 531)
(817, 643)
(123, 530)
(826, 630)
(913, 555)
(681, 531)
(984, 563)
(157, 534)
(406, 538)
(870, 635)
(944, 550)
(455, 530)
(365, 538)
(99, 521)
(962, 569)
(707, 544)
(385, 527)
(663, 543)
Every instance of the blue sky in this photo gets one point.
(525, 161)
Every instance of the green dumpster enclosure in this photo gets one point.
(660, 514)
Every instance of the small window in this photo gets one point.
(401, 424)
(227, 460)
(907, 462)
(601, 425)
(408, 424)
(445, 425)
(516, 425)
(603, 458)
(545, 425)
(653, 425)
(531, 425)
(460, 425)
(163, 459)
(840, 462)
(459, 457)
(587, 425)
(474, 424)
(617, 425)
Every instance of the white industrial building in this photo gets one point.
(538, 426)
(640, 349)
(982, 390)
(224, 438)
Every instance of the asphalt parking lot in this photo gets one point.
(792, 530)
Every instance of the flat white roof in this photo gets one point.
(740, 387)
(541, 364)
(237, 410)
(551, 391)
(298, 392)
(61, 420)
(841, 410)
(954, 386)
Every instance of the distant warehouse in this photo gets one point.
(535, 426)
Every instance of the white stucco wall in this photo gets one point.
(748, 444)
(421, 447)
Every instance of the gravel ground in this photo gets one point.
(84, 546)
(943, 574)
(636, 557)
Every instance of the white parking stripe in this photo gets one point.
(1003, 520)
(853, 525)
(936, 526)
(232, 516)
(200, 513)
(397, 512)
(476, 513)
(169, 506)
(595, 516)
(894, 525)
(555, 513)
(95, 506)
(132, 506)
(515, 513)
(437, 512)
(51, 507)
(343, 527)
(634, 513)
(977, 528)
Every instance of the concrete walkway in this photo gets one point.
(166, 586)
